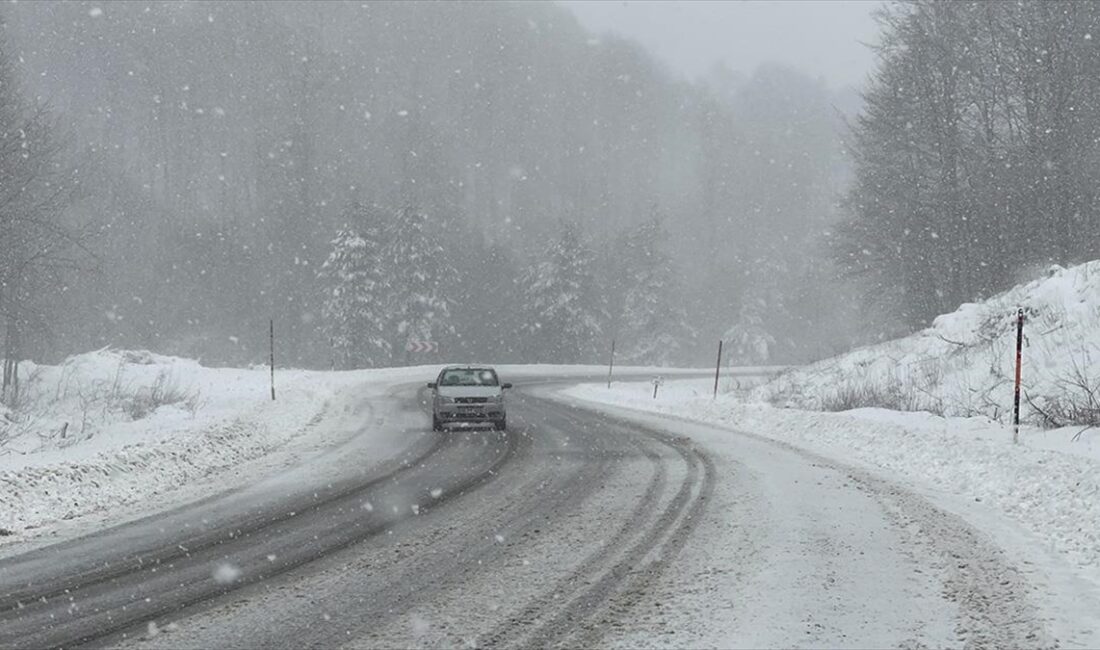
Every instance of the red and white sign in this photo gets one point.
(413, 345)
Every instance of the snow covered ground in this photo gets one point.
(1041, 497)
(1050, 482)
(945, 430)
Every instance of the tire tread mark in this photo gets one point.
(170, 605)
(620, 604)
(515, 627)
(20, 598)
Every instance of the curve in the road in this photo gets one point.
(94, 596)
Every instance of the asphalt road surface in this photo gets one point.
(572, 529)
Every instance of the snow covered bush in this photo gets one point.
(63, 404)
(864, 394)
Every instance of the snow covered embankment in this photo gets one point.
(111, 428)
(964, 364)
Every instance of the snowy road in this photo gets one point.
(575, 528)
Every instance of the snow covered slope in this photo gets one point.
(964, 364)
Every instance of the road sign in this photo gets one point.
(415, 345)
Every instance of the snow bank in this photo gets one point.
(113, 427)
(1048, 485)
(964, 364)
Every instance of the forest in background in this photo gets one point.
(218, 147)
(518, 189)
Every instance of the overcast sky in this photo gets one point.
(820, 37)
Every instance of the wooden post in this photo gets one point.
(611, 364)
(717, 369)
(1019, 368)
(271, 337)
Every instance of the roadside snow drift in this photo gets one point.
(965, 363)
(112, 427)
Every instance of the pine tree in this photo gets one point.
(417, 302)
(563, 307)
(749, 341)
(652, 325)
(356, 288)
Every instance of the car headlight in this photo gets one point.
(446, 400)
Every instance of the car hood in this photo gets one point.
(468, 391)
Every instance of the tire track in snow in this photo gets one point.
(44, 614)
(565, 613)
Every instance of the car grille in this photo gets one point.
(471, 400)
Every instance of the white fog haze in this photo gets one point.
(367, 175)
(823, 38)
(532, 324)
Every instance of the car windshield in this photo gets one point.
(468, 377)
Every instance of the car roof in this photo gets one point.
(469, 367)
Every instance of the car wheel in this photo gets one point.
(500, 425)
(436, 424)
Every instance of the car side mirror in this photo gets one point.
(431, 384)
(506, 384)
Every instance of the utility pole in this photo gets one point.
(271, 338)
(717, 369)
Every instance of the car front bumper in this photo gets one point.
(488, 412)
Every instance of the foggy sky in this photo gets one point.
(819, 37)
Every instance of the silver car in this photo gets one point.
(468, 394)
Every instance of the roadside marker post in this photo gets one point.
(1019, 368)
(271, 338)
(611, 364)
(717, 369)
(657, 382)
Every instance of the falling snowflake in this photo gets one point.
(420, 625)
(225, 573)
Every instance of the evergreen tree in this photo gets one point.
(563, 307)
(653, 325)
(356, 288)
(487, 294)
(417, 302)
(749, 341)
